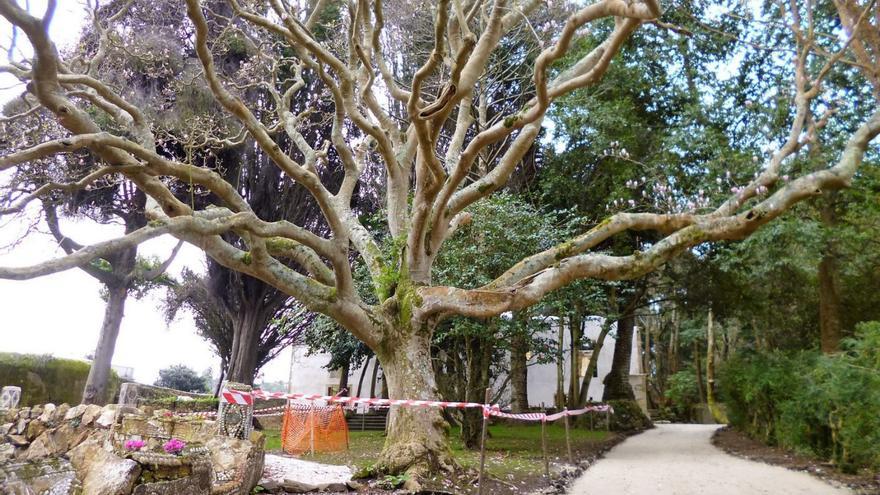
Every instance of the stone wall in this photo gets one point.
(82, 449)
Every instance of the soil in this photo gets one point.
(562, 474)
(739, 444)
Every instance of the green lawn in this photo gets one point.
(511, 451)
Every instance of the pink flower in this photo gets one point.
(134, 445)
(174, 446)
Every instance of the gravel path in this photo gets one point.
(279, 468)
(680, 460)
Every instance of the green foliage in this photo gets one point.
(683, 393)
(823, 405)
(628, 416)
(48, 379)
(181, 377)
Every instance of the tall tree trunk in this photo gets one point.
(559, 399)
(519, 372)
(477, 381)
(343, 380)
(594, 363)
(95, 391)
(361, 380)
(717, 414)
(699, 371)
(247, 327)
(416, 436)
(829, 303)
(373, 378)
(575, 329)
(617, 382)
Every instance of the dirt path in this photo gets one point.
(680, 460)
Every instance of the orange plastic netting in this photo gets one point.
(314, 429)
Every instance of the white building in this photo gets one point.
(308, 375)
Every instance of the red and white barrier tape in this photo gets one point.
(549, 417)
(332, 399)
(236, 397)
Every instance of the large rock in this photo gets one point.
(47, 476)
(90, 414)
(105, 473)
(17, 440)
(60, 412)
(75, 412)
(6, 428)
(238, 464)
(7, 451)
(54, 442)
(81, 455)
(34, 429)
(293, 486)
(48, 415)
(107, 416)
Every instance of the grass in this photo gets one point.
(512, 452)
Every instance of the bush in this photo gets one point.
(48, 379)
(821, 405)
(628, 416)
(683, 394)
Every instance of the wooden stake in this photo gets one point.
(312, 431)
(568, 439)
(607, 420)
(480, 490)
(591, 420)
(544, 448)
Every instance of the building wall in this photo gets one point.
(308, 374)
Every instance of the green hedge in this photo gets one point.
(48, 379)
(821, 405)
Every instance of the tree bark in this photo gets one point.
(717, 414)
(416, 440)
(519, 373)
(594, 363)
(477, 381)
(575, 329)
(343, 380)
(617, 382)
(95, 391)
(829, 304)
(247, 327)
(699, 371)
(559, 399)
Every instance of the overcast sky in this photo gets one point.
(61, 314)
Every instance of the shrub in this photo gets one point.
(44, 378)
(683, 394)
(822, 405)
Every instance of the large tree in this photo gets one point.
(426, 155)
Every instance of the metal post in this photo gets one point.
(607, 420)
(544, 447)
(480, 490)
(568, 438)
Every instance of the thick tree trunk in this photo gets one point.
(575, 328)
(698, 368)
(829, 304)
(247, 327)
(617, 382)
(479, 357)
(374, 377)
(95, 391)
(416, 440)
(343, 381)
(519, 373)
(717, 414)
(559, 399)
(360, 388)
(594, 363)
